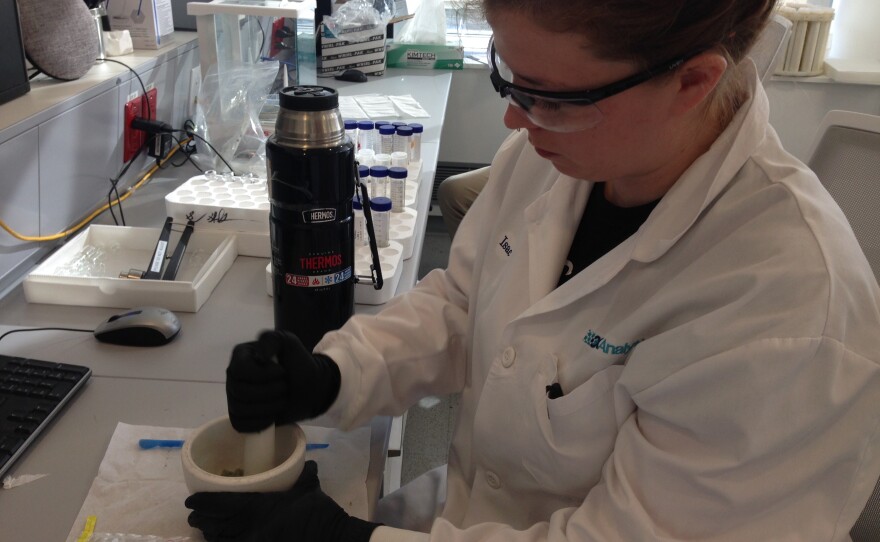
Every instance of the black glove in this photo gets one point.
(260, 392)
(303, 513)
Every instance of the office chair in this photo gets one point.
(846, 157)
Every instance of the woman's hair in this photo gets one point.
(650, 32)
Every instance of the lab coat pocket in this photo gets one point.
(579, 431)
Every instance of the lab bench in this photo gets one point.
(179, 384)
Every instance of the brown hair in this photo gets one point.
(649, 32)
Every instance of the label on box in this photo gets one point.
(340, 54)
(439, 57)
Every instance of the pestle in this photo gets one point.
(259, 451)
(259, 448)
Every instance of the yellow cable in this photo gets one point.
(100, 210)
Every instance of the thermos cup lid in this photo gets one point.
(308, 98)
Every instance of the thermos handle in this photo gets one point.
(376, 267)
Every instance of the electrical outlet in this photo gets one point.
(132, 139)
(137, 106)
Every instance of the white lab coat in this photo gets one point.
(720, 366)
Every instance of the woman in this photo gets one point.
(660, 324)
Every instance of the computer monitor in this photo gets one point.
(13, 71)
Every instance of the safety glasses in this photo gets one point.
(566, 111)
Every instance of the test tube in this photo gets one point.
(402, 139)
(382, 160)
(351, 127)
(365, 135)
(366, 157)
(416, 142)
(360, 224)
(381, 211)
(386, 139)
(364, 175)
(378, 182)
(398, 159)
(397, 188)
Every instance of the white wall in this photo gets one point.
(474, 130)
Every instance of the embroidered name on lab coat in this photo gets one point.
(505, 244)
(594, 340)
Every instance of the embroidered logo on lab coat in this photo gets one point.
(594, 340)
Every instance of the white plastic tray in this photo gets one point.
(242, 209)
(364, 293)
(120, 248)
(231, 206)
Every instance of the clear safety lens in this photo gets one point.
(548, 113)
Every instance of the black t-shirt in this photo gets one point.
(603, 226)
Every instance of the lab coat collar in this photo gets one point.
(556, 214)
(701, 183)
(551, 222)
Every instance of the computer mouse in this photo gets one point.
(142, 326)
(355, 76)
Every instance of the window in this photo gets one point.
(467, 29)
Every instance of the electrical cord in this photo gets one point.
(141, 81)
(114, 182)
(191, 133)
(11, 331)
(146, 177)
(187, 152)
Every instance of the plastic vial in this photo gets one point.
(351, 130)
(365, 135)
(381, 210)
(402, 141)
(360, 223)
(415, 144)
(366, 157)
(382, 160)
(378, 182)
(397, 188)
(364, 176)
(398, 159)
(386, 139)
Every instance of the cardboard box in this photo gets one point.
(338, 54)
(150, 22)
(431, 57)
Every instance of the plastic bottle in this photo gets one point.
(378, 182)
(381, 210)
(386, 139)
(416, 142)
(365, 138)
(402, 139)
(397, 188)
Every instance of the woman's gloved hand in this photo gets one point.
(276, 380)
(303, 513)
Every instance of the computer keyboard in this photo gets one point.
(32, 393)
